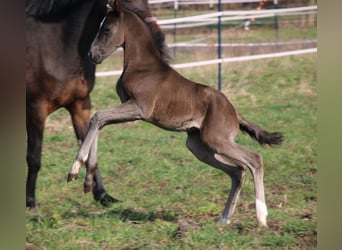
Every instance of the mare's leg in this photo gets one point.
(35, 119)
(128, 111)
(207, 155)
(80, 114)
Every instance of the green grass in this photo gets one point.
(255, 34)
(170, 200)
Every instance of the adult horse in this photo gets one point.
(150, 90)
(59, 73)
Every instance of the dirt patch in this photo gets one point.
(184, 226)
(304, 88)
(31, 246)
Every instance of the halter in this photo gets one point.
(151, 19)
(109, 7)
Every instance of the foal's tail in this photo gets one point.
(260, 135)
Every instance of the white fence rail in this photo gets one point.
(210, 2)
(233, 15)
(223, 60)
(196, 44)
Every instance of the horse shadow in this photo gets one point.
(128, 215)
(133, 215)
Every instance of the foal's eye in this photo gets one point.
(106, 30)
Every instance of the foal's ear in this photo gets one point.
(117, 5)
(109, 8)
(113, 5)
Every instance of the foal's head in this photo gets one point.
(111, 33)
(109, 38)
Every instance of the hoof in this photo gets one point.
(107, 200)
(262, 224)
(74, 171)
(87, 187)
(72, 177)
(31, 204)
(223, 221)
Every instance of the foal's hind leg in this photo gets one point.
(207, 155)
(218, 130)
(253, 161)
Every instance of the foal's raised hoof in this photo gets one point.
(107, 200)
(72, 177)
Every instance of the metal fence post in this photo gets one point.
(219, 47)
(175, 8)
(276, 26)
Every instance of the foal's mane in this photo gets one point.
(146, 16)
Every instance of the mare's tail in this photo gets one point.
(260, 135)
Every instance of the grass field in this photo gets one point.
(170, 200)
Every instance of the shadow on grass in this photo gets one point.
(134, 215)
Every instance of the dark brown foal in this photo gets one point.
(153, 92)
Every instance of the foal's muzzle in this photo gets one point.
(94, 59)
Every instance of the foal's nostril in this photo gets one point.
(94, 58)
(90, 57)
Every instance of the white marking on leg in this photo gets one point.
(85, 158)
(261, 209)
(75, 168)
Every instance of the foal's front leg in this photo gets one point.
(91, 167)
(83, 152)
(128, 111)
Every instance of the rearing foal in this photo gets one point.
(150, 90)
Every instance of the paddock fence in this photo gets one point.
(276, 48)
